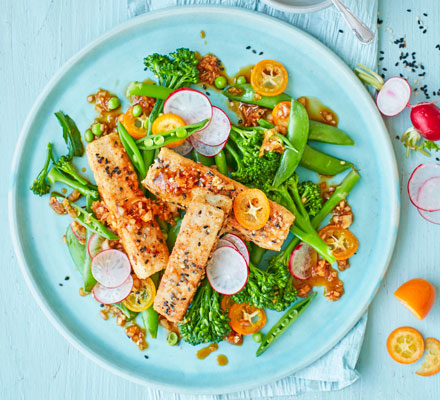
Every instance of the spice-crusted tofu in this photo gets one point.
(121, 198)
(175, 179)
(199, 232)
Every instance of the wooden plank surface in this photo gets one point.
(36, 38)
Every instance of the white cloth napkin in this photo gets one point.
(336, 369)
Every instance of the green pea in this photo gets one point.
(149, 142)
(158, 140)
(97, 129)
(113, 103)
(88, 135)
(258, 337)
(137, 110)
(220, 82)
(241, 79)
(173, 338)
(181, 132)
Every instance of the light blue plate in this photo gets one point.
(113, 61)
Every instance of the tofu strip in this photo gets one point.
(199, 232)
(122, 197)
(175, 179)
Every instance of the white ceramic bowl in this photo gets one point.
(298, 6)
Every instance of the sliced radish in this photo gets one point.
(302, 260)
(94, 246)
(190, 104)
(424, 187)
(111, 268)
(217, 131)
(115, 295)
(225, 243)
(205, 150)
(393, 97)
(184, 148)
(227, 271)
(239, 244)
(433, 216)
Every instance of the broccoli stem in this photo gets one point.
(56, 175)
(40, 186)
(339, 194)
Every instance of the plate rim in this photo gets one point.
(12, 211)
(298, 9)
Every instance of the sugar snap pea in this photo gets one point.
(220, 162)
(77, 250)
(132, 150)
(148, 89)
(150, 318)
(323, 163)
(297, 134)
(283, 324)
(159, 140)
(246, 94)
(325, 133)
(88, 279)
(319, 132)
(197, 157)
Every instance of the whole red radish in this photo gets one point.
(425, 117)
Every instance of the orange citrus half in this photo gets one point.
(405, 345)
(417, 295)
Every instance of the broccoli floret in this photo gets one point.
(41, 186)
(176, 70)
(205, 321)
(252, 170)
(310, 194)
(271, 288)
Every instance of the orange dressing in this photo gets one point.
(318, 111)
(222, 360)
(105, 116)
(206, 351)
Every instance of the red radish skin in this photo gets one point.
(106, 295)
(433, 217)
(301, 262)
(393, 97)
(239, 244)
(425, 117)
(422, 187)
(111, 268)
(190, 104)
(224, 262)
(217, 131)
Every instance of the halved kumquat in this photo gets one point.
(417, 295)
(431, 361)
(405, 345)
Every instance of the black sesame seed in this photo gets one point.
(409, 10)
(67, 278)
(425, 14)
(382, 52)
(254, 51)
(341, 31)
(384, 69)
(146, 357)
(381, 58)
(397, 137)
(60, 284)
(248, 47)
(260, 53)
(424, 31)
(396, 64)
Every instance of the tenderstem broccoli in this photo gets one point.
(288, 195)
(205, 321)
(271, 288)
(252, 170)
(57, 175)
(41, 186)
(310, 194)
